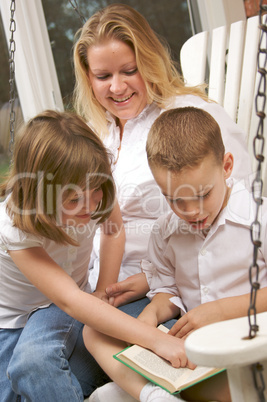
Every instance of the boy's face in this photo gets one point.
(197, 194)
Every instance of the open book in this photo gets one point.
(161, 372)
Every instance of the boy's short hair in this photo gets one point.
(182, 137)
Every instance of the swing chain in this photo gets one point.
(12, 95)
(74, 5)
(257, 185)
(258, 379)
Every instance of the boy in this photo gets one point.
(200, 252)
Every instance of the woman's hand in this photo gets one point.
(133, 288)
(101, 294)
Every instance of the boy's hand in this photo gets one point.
(133, 288)
(198, 317)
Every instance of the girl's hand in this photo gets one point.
(133, 288)
(167, 347)
(198, 317)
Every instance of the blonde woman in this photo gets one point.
(125, 78)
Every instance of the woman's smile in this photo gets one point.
(116, 81)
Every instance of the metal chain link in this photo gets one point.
(257, 186)
(74, 4)
(258, 379)
(12, 92)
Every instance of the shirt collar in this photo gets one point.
(240, 207)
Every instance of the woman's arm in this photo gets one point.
(61, 289)
(112, 243)
(132, 288)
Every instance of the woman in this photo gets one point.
(124, 79)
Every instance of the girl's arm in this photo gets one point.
(218, 310)
(112, 243)
(62, 290)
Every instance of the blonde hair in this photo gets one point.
(55, 151)
(154, 63)
(181, 138)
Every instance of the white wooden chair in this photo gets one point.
(223, 345)
(226, 59)
(229, 65)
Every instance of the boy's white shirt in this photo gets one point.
(18, 297)
(198, 269)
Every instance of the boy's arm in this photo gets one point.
(218, 310)
(112, 243)
(159, 310)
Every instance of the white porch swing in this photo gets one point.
(225, 344)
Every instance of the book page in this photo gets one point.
(160, 371)
(159, 367)
(155, 365)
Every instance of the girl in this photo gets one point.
(59, 190)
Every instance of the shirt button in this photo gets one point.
(72, 250)
(205, 290)
(203, 251)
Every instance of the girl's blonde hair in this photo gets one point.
(55, 153)
(154, 63)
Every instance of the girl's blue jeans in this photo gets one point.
(47, 360)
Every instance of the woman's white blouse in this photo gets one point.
(18, 297)
(139, 197)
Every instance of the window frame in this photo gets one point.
(35, 71)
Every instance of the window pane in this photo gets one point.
(170, 21)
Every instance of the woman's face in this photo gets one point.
(116, 82)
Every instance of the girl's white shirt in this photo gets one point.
(139, 197)
(196, 269)
(18, 297)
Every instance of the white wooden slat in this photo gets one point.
(193, 59)
(247, 88)
(217, 64)
(234, 64)
(241, 80)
